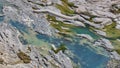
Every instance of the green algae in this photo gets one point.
(70, 4)
(1, 61)
(63, 28)
(113, 35)
(24, 57)
(111, 31)
(30, 38)
(65, 8)
(62, 48)
(118, 51)
(116, 44)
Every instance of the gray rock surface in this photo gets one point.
(104, 43)
(102, 33)
(85, 36)
(113, 64)
(96, 13)
(13, 54)
(22, 12)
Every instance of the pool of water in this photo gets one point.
(2, 3)
(85, 30)
(85, 55)
(1, 17)
(19, 26)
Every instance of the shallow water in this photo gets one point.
(86, 30)
(84, 54)
(87, 56)
(1, 6)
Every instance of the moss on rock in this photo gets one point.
(60, 48)
(24, 57)
(111, 31)
(1, 61)
(59, 25)
(65, 8)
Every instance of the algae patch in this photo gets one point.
(24, 57)
(65, 8)
(111, 31)
(1, 61)
(60, 48)
(63, 28)
(116, 44)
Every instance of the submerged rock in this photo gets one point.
(102, 33)
(94, 13)
(16, 55)
(85, 36)
(22, 12)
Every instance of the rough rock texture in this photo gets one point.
(96, 13)
(22, 11)
(104, 43)
(15, 55)
(113, 64)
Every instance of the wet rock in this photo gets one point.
(78, 23)
(113, 64)
(22, 12)
(85, 36)
(115, 55)
(81, 9)
(104, 21)
(108, 46)
(102, 33)
(105, 43)
(117, 23)
(24, 57)
(61, 59)
(115, 8)
(118, 26)
(1, 61)
(16, 55)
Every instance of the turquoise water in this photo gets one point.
(85, 30)
(1, 17)
(85, 55)
(1, 6)
(19, 26)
